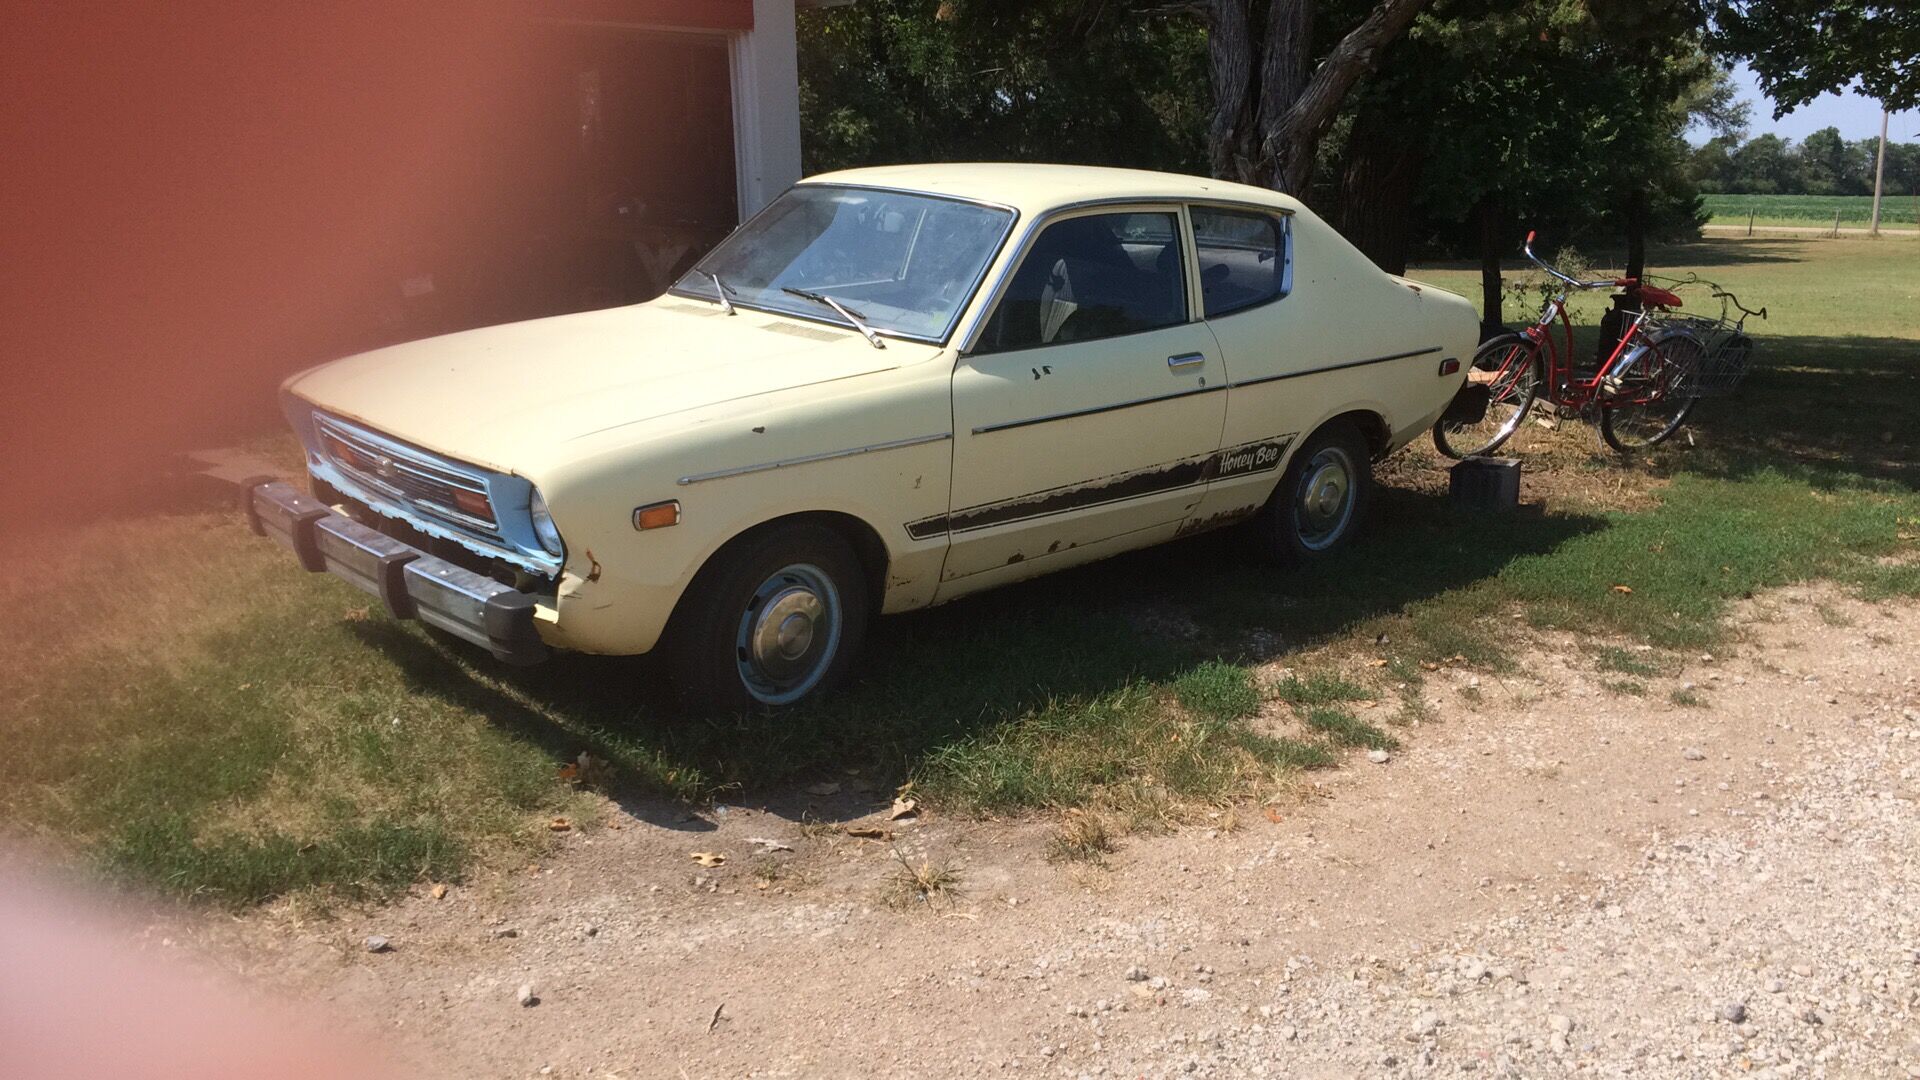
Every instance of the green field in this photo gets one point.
(1813, 211)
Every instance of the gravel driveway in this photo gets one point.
(1552, 878)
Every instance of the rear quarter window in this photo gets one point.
(1246, 258)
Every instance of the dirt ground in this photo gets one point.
(1551, 878)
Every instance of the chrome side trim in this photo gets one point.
(743, 470)
(1429, 350)
(1097, 409)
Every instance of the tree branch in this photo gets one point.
(1290, 139)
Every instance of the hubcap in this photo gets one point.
(788, 634)
(1326, 498)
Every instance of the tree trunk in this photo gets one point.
(1376, 191)
(1268, 134)
(1230, 62)
(1487, 217)
(1290, 138)
(1636, 220)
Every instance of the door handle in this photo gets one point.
(1185, 360)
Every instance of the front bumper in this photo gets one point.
(408, 581)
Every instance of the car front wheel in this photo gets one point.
(774, 619)
(1321, 500)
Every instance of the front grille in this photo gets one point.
(410, 477)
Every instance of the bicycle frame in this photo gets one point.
(1563, 387)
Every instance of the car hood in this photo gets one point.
(502, 396)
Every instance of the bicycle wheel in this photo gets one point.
(1510, 366)
(1652, 399)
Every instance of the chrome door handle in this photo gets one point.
(1185, 361)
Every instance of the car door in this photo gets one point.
(1245, 261)
(1088, 407)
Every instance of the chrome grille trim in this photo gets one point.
(415, 480)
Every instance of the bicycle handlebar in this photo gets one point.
(1722, 294)
(1549, 268)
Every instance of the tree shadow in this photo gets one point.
(1832, 409)
(933, 678)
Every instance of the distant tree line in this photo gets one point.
(1823, 163)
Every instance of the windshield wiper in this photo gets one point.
(853, 317)
(720, 290)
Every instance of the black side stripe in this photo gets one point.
(1242, 460)
(1097, 409)
(1334, 367)
(987, 429)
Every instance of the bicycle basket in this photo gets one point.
(1718, 350)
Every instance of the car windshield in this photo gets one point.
(904, 264)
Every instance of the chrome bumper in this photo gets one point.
(408, 581)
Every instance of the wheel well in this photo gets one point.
(1373, 428)
(860, 536)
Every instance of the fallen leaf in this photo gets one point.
(768, 845)
(1382, 662)
(1623, 588)
(824, 788)
(569, 772)
(869, 832)
(358, 614)
(904, 806)
(709, 858)
(1273, 814)
(1367, 703)
(559, 824)
(439, 892)
(1429, 665)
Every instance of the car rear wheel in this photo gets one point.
(773, 620)
(1321, 500)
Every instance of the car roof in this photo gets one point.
(1035, 189)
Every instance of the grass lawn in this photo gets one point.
(189, 711)
(1897, 211)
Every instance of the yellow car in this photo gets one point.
(890, 388)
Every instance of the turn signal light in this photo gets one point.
(473, 504)
(658, 516)
(1449, 366)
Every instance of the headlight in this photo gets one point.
(543, 526)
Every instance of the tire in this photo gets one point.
(1654, 396)
(775, 618)
(1321, 499)
(1514, 360)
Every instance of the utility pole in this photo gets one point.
(1879, 174)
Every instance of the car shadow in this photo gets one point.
(931, 679)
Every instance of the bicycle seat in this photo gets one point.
(1658, 297)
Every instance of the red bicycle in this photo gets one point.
(1641, 389)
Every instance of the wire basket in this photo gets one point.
(1718, 352)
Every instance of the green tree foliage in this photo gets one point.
(1515, 114)
(1002, 80)
(1801, 49)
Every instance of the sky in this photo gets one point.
(1857, 117)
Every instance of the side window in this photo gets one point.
(1093, 277)
(1245, 257)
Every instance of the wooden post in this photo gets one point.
(1879, 174)
(1836, 225)
(1749, 223)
